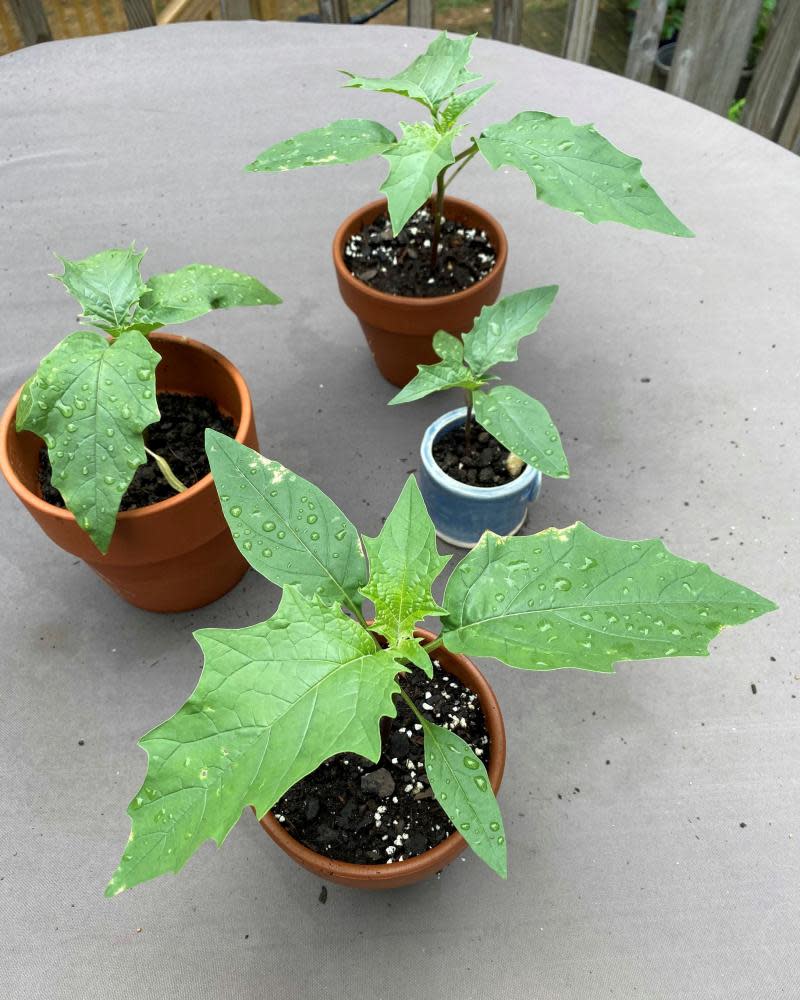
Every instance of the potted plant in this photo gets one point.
(482, 464)
(122, 412)
(372, 750)
(407, 269)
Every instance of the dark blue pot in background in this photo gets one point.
(462, 513)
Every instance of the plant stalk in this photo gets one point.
(468, 423)
(433, 645)
(413, 708)
(438, 208)
(166, 471)
(462, 160)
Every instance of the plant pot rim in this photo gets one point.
(8, 425)
(523, 482)
(435, 858)
(412, 301)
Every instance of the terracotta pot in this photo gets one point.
(424, 865)
(174, 555)
(399, 328)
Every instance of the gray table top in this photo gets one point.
(671, 368)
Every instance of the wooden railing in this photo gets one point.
(711, 52)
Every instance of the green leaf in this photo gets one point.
(107, 285)
(523, 425)
(574, 598)
(431, 78)
(499, 328)
(448, 347)
(195, 290)
(432, 378)
(345, 141)
(457, 105)
(273, 702)
(285, 527)
(90, 400)
(410, 649)
(403, 563)
(462, 788)
(573, 167)
(414, 163)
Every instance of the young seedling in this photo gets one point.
(94, 394)
(518, 421)
(571, 166)
(277, 699)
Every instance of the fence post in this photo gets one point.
(777, 75)
(420, 13)
(507, 21)
(334, 11)
(579, 30)
(645, 39)
(712, 50)
(139, 13)
(31, 20)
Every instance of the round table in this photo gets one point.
(652, 816)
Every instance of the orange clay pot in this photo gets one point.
(399, 328)
(425, 865)
(171, 556)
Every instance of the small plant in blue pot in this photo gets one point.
(482, 464)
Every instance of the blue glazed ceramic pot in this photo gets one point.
(462, 513)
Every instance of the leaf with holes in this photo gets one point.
(286, 527)
(574, 598)
(574, 168)
(431, 78)
(521, 424)
(414, 163)
(107, 285)
(195, 290)
(462, 788)
(403, 564)
(499, 328)
(90, 400)
(273, 702)
(345, 141)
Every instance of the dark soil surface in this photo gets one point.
(485, 465)
(353, 810)
(401, 265)
(178, 437)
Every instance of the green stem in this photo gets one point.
(433, 645)
(462, 160)
(438, 208)
(166, 471)
(413, 708)
(468, 423)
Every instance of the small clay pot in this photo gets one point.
(425, 865)
(400, 328)
(175, 555)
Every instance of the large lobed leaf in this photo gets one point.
(431, 78)
(403, 563)
(575, 598)
(414, 163)
(90, 400)
(344, 141)
(284, 526)
(107, 285)
(273, 702)
(523, 425)
(499, 328)
(575, 168)
(462, 788)
(193, 291)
